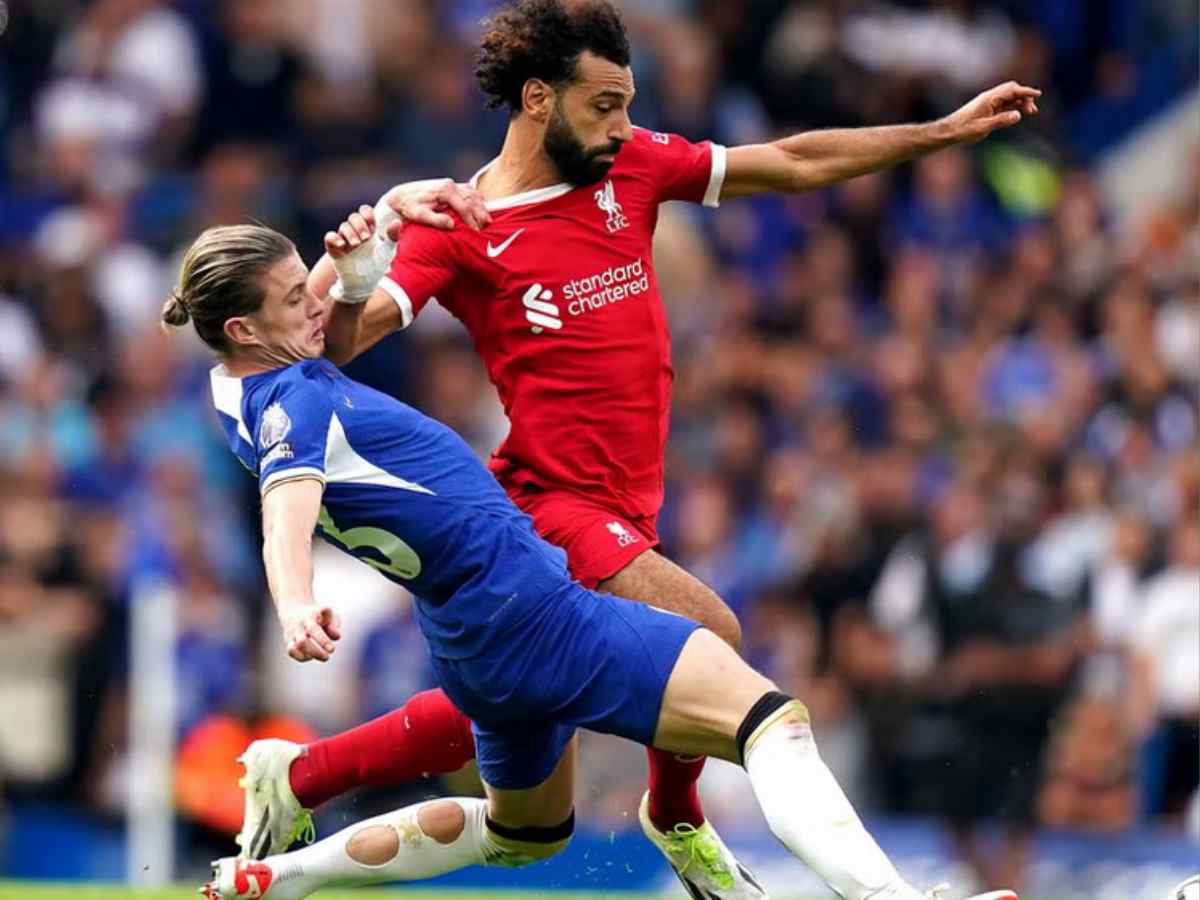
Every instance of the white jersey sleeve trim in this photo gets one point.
(401, 297)
(716, 181)
(295, 474)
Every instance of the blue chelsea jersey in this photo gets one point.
(403, 493)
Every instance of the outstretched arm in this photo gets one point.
(815, 159)
(289, 516)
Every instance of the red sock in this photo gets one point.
(427, 736)
(673, 795)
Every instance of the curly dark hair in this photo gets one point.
(543, 39)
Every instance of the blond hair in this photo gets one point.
(221, 278)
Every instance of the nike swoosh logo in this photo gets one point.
(493, 252)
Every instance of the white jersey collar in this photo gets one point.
(539, 195)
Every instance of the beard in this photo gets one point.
(576, 163)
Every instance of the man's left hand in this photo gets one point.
(427, 202)
(999, 107)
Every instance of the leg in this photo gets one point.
(410, 844)
(615, 553)
(427, 736)
(284, 781)
(535, 823)
(654, 579)
(749, 722)
(697, 719)
(549, 803)
(513, 827)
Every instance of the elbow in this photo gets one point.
(804, 173)
(789, 172)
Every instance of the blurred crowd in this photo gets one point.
(935, 432)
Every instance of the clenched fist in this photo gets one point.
(310, 633)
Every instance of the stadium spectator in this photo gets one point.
(982, 652)
(1165, 700)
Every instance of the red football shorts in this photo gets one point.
(599, 541)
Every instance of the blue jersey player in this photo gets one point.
(528, 653)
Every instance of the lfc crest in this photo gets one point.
(606, 199)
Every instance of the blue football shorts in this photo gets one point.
(588, 660)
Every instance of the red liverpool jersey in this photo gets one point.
(560, 296)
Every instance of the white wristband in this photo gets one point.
(360, 271)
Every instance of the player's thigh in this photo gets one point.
(709, 694)
(652, 578)
(543, 806)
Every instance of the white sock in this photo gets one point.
(326, 863)
(809, 813)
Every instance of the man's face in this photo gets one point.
(288, 327)
(590, 121)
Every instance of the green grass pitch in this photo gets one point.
(34, 891)
(16, 890)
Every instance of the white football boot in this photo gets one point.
(704, 865)
(273, 818)
(238, 879)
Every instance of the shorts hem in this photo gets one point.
(608, 566)
(526, 780)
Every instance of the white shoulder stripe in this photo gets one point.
(227, 397)
(716, 181)
(343, 465)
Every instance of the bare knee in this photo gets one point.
(443, 822)
(375, 845)
(378, 845)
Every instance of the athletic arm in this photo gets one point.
(353, 328)
(815, 159)
(290, 510)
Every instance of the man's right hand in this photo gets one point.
(426, 202)
(310, 632)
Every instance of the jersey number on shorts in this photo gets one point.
(402, 560)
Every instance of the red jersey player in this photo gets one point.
(560, 296)
(558, 291)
